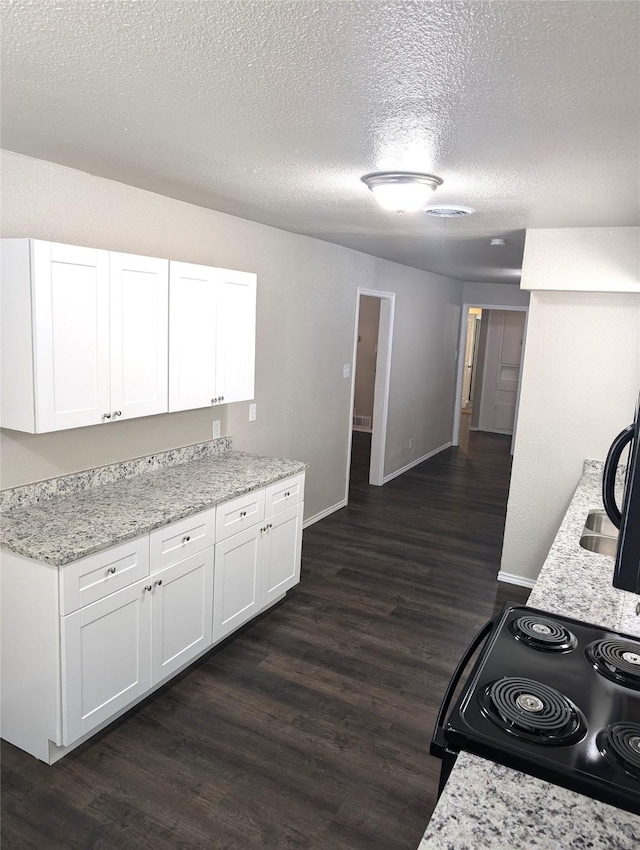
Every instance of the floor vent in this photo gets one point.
(363, 422)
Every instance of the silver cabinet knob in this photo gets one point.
(287, 494)
(270, 525)
(243, 513)
(221, 398)
(157, 583)
(186, 538)
(117, 413)
(148, 587)
(106, 416)
(111, 570)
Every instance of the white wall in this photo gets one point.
(368, 324)
(584, 259)
(581, 377)
(305, 325)
(500, 294)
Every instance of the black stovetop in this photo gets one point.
(568, 712)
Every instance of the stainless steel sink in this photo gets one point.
(599, 534)
(599, 522)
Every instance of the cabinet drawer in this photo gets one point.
(240, 513)
(285, 494)
(179, 540)
(96, 576)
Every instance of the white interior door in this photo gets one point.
(139, 310)
(71, 317)
(501, 374)
(193, 298)
(236, 335)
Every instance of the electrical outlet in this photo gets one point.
(346, 370)
(410, 444)
(252, 413)
(216, 429)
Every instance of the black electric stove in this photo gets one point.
(553, 697)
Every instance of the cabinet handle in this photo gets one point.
(214, 400)
(117, 413)
(111, 570)
(221, 398)
(157, 583)
(270, 525)
(186, 538)
(148, 587)
(243, 513)
(287, 494)
(106, 416)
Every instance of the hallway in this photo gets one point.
(310, 728)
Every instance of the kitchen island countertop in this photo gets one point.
(486, 805)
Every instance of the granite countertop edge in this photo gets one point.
(69, 527)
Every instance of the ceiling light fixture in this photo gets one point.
(401, 191)
(449, 211)
(499, 242)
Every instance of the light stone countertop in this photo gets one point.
(486, 805)
(63, 528)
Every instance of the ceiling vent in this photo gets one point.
(449, 211)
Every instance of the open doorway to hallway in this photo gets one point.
(373, 339)
(492, 342)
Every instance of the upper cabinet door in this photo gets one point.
(235, 368)
(70, 288)
(193, 294)
(139, 313)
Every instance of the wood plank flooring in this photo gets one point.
(311, 727)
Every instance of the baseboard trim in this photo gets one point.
(317, 517)
(511, 578)
(415, 463)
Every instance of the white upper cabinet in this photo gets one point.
(193, 298)
(211, 336)
(139, 335)
(70, 290)
(236, 335)
(84, 335)
(91, 336)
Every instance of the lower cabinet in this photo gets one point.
(79, 648)
(114, 650)
(181, 613)
(105, 659)
(254, 568)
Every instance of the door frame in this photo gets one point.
(462, 342)
(381, 387)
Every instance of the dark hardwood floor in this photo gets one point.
(311, 727)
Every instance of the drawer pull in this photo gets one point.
(243, 513)
(157, 583)
(148, 587)
(270, 525)
(186, 538)
(111, 570)
(287, 494)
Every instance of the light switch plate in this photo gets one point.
(216, 429)
(346, 370)
(252, 412)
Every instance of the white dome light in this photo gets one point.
(401, 191)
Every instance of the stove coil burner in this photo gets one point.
(617, 660)
(541, 633)
(533, 712)
(620, 743)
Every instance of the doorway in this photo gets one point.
(372, 343)
(492, 339)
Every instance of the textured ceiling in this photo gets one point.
(273, 110)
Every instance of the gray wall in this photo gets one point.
(305, 331)
(500, 294)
